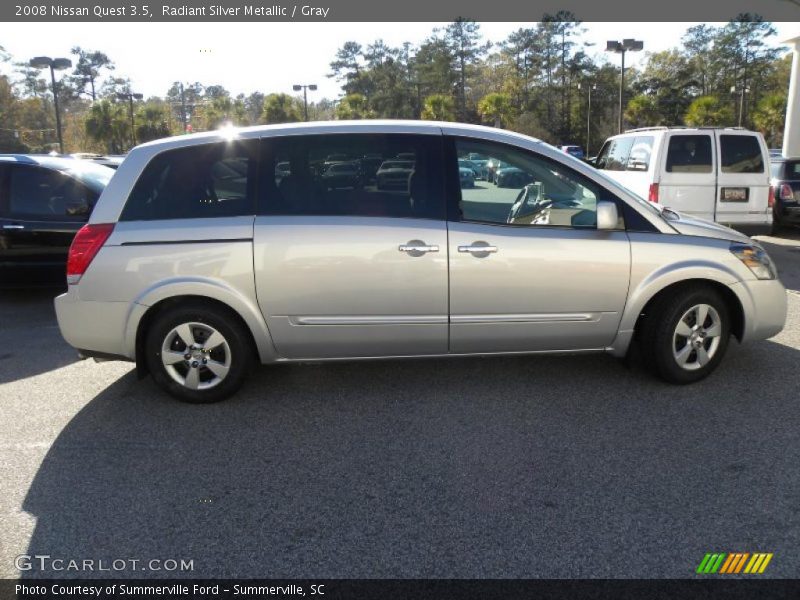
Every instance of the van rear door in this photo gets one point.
(742, 180)
(688, 174)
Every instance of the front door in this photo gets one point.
(350, 248)
(41, 210)
(529, 270)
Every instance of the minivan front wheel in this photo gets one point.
(686, 334)
(197, 354)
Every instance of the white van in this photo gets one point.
(719, 174)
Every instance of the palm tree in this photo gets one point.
(107, 123)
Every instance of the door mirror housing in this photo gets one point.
(607, 215)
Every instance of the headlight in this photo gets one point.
(756, 260)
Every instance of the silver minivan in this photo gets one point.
(209, 252)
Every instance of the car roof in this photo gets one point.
(43, 160)
(321, 127)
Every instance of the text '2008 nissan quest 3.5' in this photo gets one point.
(356, 240)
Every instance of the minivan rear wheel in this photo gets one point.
(197, 354)
(685, 334)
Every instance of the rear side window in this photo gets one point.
(639, 158)
(615, 153)
(741, 154)
(47, 194)
(212, 180)
(367, 175)
(689, 154)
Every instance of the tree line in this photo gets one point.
(537, 81)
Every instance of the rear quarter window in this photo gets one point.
(741, 154)
(212, 180)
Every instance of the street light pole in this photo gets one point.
(741, 93)
(626, 45)
(55, 64)
(590, 87)
(129, 96)
(310, 86)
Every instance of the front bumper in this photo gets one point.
(94, 328)
(765, 305)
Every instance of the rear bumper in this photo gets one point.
(765, 305)
(95, 328)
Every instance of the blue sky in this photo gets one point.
(270, 57)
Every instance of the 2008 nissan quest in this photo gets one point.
(208, 251)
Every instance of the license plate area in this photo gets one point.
(734, 194)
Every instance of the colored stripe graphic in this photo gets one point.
(734, 562)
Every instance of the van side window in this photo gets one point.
(689, 154)
(615, 153)
(642, 148)
(366, 175)
(741, 154)
(211, 180)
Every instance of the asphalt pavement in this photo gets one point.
(574, 466)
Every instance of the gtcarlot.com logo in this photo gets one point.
(732, 563)
(45, 562)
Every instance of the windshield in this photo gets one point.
(93, 176)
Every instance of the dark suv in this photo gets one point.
(44, 201)
(786, 187)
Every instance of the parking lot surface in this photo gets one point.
(557, 467)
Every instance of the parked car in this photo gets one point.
(195, 284)
(394, 175)
(44, 201)
(719, 174)
(786, 190)
(511, 177)
(573, 150)
(466, 176)
(342, 175)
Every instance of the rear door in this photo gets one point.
(688, 180)
(41, 209)
(359, 271)
(743, 179)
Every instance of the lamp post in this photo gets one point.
(305, 88)
(55, 64)
(741, 91)
(590, 87)
(626, 45)
(130, 96)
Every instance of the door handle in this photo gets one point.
(478, 248)
(14, 226)
(417, 248)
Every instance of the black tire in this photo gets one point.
(234, 334)
(658, 341)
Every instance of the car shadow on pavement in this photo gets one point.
(27, 323)
(496, 467)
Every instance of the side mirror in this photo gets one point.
(607, 215)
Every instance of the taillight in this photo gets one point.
(652, 195)
(786, 193)
(85, 246)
